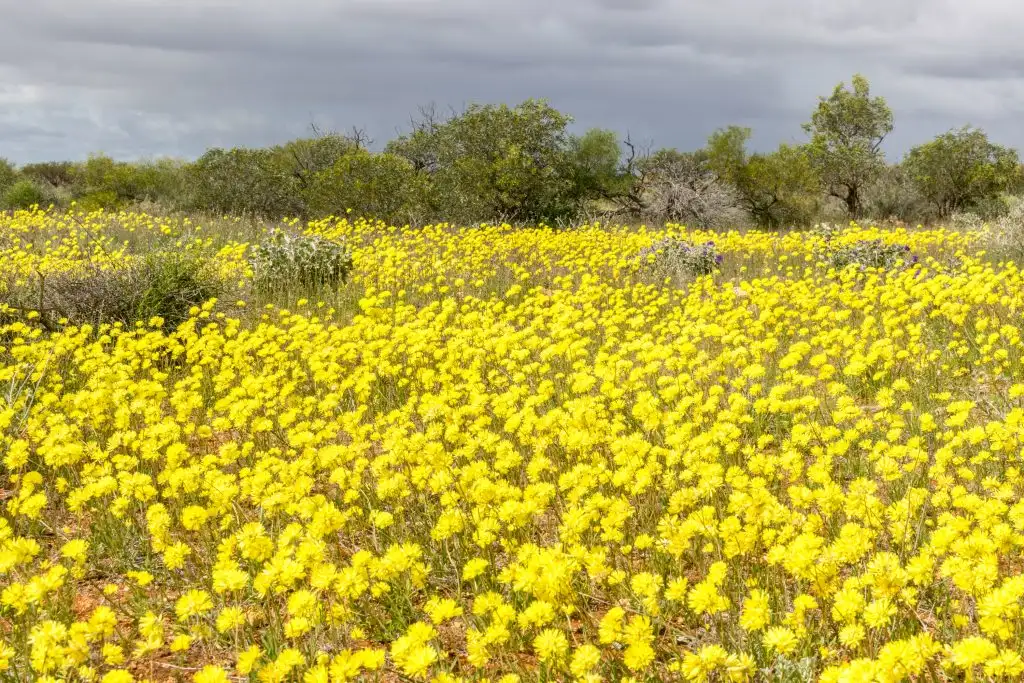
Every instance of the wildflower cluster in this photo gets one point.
(509, 459)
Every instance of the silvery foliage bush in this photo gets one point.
(1004, 237)
(671, 257)
(966, 221)
(283, 261)
(826, 231)
(874, 253)
(870, 254)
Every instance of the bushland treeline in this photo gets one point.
(521, 164)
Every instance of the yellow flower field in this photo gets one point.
(506, 455)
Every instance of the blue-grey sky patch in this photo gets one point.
(135, 78)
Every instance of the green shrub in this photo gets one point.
(103, 183)
(284, 261)
(382, 186)
(8, 175)
(24, 194)
(991, 208)
(241, 181)
(171, 284)
(161, 284)
(60, 174)
(103, 199)
(493, 162)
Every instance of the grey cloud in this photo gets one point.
(148, 77)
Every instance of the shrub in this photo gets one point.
(679, 187)
(494, 162)
(870, 254)
(23, 195)
(991, 208)
(966, 221)
(103, 199)
(172, 284)
(676, 258)
(894, 196)
(8, 175)
(284, 261)
(1004, 237)
(962, 170)
(60, 174)
(241, 181)
(382, 186)
(161, 284)
(101, 182)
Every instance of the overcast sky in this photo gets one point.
(138, 78)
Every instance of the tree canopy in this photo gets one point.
(960, 168)
(776, 189)
(847, 129)
(524, 163)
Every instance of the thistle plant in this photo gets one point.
(873, 253)
(675, 258)
(310, 262)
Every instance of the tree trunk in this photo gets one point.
(853, 206)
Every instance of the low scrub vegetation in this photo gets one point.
(164, 286)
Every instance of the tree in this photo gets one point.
(960, 169)
(782, 188)
(242, 181)
(23, 194)
(893, 195)
(593, 168)
(57, 174)
(305, 157)
(494, 162)
(680, 186)
(383, 186)
(776, 189)
(726, 152)
(420, 145)
(8, 175)
(102, 182)
(847, 130)
(633, 195)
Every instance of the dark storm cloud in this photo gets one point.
(148, 77)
